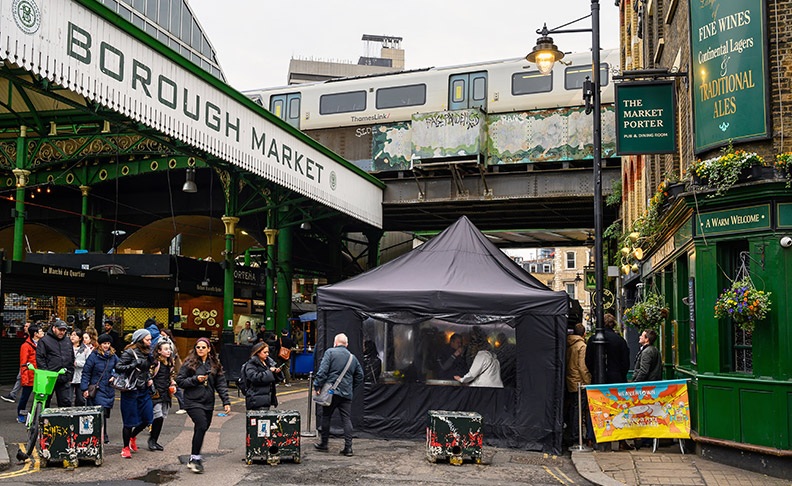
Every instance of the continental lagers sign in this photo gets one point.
(729, 71)
(646, 118)
(74, 46)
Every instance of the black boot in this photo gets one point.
(156, 428)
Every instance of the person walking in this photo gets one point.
(95, 384)
(118, 343)
(136, 407)
(54, 352)
(338, 366)
(163, 374)
(576, 374)
(90, 338)
(27, 355)
(12, 396)
(202, 375)
(283, 356)
(260, 375)
(167, 335)
(81, 353)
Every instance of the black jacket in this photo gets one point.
(162, 380)
(201, 395)
(52, 354)
(617, 357)
(135, 359)
(260, 382)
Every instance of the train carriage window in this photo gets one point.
(531, 82)
(294, 108)
(399, 96)
(342, 102)
(458, 90)
(277, 108)
(479, 88)
(574, 76)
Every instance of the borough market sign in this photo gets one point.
(74, 43)
(729, 71)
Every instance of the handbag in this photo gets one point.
(325, 396)
(92, 387)
(124, 382)
(284, 353)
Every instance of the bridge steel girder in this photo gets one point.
(553, 199)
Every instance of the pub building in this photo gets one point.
(698, 232)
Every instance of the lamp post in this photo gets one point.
(545, 54)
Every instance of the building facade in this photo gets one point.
(700, 233)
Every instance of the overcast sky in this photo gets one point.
(255, 39)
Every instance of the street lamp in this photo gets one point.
(544, 54)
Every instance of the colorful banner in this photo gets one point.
(652, 409)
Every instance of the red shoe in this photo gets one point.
(126, 453)
(132, 444)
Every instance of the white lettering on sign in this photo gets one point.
(77, 48)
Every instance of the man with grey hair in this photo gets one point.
(338, 362)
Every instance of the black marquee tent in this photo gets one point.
(457, 279)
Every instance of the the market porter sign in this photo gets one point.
(645, 118)
(734, 220)
(115, 65)
(729, 71)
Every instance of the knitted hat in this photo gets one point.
(139, 335)
(104, 338)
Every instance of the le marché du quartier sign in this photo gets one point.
(645, 118)
(729, 71)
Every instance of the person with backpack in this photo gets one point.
(257, 379)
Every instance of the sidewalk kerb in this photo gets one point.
(5, 462)
(587, 467)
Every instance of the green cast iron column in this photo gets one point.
(334, 253)
(269, 295)
(21, 175)
(84, 218)
(284, 278)
(228, 287)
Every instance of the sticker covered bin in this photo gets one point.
(70, 434)
(453, 435)
(272, 435)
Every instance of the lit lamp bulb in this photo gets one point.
(625, 251)
(545, 61)
(625, 269)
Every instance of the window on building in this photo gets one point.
(164, 13)
(546, 268)
(531, 82)
(342, 102)
(570, 260)
(741, 341)
(532, 268)
(399, 96)
(570, 289)
(574, 76)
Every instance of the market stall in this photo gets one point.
(455, 296)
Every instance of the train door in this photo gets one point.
(287, 107)
(467, 90)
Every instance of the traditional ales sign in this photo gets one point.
(729, 71)
(645, 118)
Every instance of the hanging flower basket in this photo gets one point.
(783, 165)
(743, 304)
(649, 313)
(721, 173)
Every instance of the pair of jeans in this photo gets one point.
(344, 406)
(202, 420)
(26, 392)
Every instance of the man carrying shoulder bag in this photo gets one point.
(343, 372)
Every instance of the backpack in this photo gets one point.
(241, 382)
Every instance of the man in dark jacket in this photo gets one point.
(54, 352)
(334, 363)
(117, 343)
(617, 354)
(648, 366)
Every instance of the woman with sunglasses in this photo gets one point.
(200, 376)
